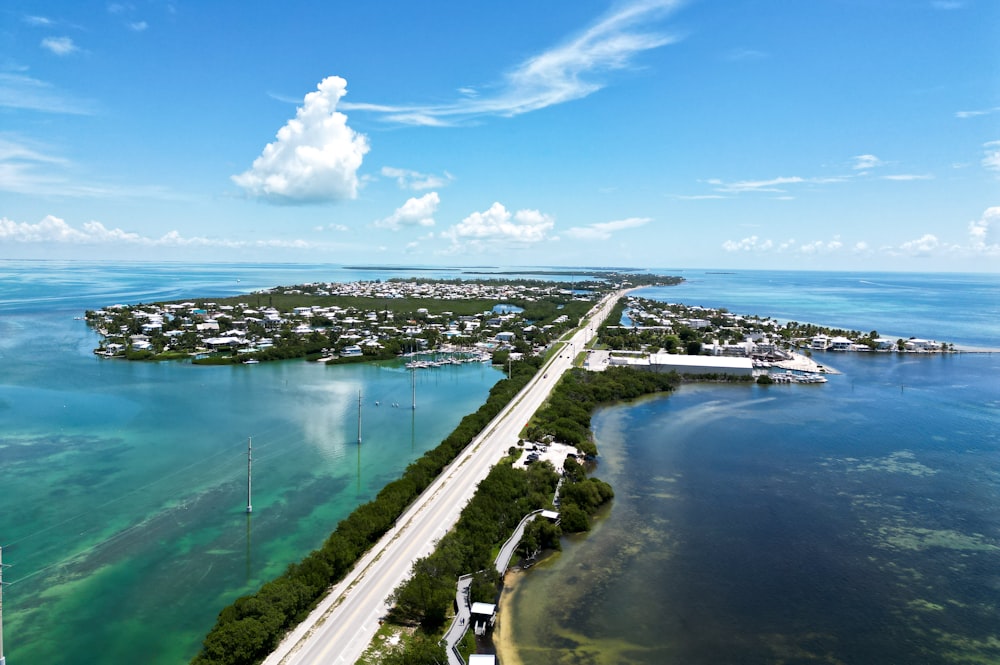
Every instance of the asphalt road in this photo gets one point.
(340, 629)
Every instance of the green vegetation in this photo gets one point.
(248, 630)
(501, 501)
(566, 415)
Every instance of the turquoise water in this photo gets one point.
(850, 522)
(123, 492)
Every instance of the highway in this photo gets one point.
(341, 627)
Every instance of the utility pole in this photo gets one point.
(3, 660)
(249, 470)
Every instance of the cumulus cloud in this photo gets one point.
(604, 230)
(497, 226)
(925, 245)
(991, 160)
(316, 155)
(54, 230)
(415, 180)
(984, 233)
(749, 244)
(865, 162)
(415, 212)
(59, 45)
(757, 244)
(339, 228)
(564, 73)
(821, 247)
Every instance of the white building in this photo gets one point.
(667, 362)
(820, 343)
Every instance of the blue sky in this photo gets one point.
(830, 134)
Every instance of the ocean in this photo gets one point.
(123, 485)
(849, 522)
(790, 517)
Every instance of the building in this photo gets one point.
(820, 343)
(483, 616)
(915, 344)
(840, 344)
(666, 362)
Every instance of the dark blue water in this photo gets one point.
(962, 309)
(849, 522)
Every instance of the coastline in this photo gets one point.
(503, 632)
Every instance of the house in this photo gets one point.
(915, 344)
(820, 343)
(884, 344)
(351, 351)
(840, 344)
(505, 337)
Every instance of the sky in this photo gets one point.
(745, 134)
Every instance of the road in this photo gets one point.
(341, 627)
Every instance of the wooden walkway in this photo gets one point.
(463, 612)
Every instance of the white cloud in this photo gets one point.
(18, 91)
(604, 230)
(772, 185)
(316, 155)
(497, 226)
(984, 233)
(415, 180)
(821, 247)
(415, 212)
(991, 160)
(923, 246)
(976, 113)
(59, 45)
(756, 244)
(138, 26)
(750, 244)
(864, 162)
(561, 74)
(53, 230)
(41, 21)
(340, 228)
(27, 167)
(902, 177)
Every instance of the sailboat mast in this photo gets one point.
(413, 385)
(359, 417)
(249, 471)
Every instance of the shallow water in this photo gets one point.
(123, 499)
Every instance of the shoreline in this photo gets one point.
(503, 637)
